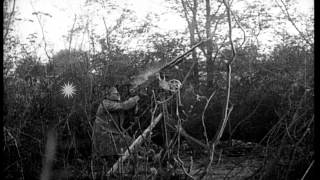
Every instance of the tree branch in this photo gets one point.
(227, 110)
(202, 117)
(42, 31)
(71, 34)
(285, 11)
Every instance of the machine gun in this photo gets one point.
(144, 77)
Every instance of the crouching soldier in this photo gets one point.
(109, 138)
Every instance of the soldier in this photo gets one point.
(109, 139)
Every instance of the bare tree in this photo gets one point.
(192, 24)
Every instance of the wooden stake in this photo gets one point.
(135, 143)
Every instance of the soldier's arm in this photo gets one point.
(113, 106)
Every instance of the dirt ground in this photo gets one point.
(236, 160)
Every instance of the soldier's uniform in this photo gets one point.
(109, 141)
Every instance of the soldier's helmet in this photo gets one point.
(113, 94)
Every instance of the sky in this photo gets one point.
(63, 13)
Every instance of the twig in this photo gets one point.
(234, 54)
(236, 18)
(179, 160)
(305, 174)
(202, 117)
(270, 166)
(18, 151)
(188, 73)
(165, 117)
(42, 31)
(189, 137)
(86, 28)
(285, 10)
(297, 144)
(246, 118)
(71, 35)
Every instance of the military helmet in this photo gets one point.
(113, 94)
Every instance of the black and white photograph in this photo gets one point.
(158, 90)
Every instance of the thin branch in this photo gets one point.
(285, 11)
(218, 49)
(236, 18)
(247, 117)
(71, 33)
(188, 74)
(229, 76)
(216, 12)
(108, 32)
(230, 31)
(18, 151)
(188, 4)
(42, 31)
(84, 33)
(186, 12)
(307, 171)
(179, 128)
(202, 117)
(212, 33)
(189, 137)
(297, 145)
(270, 166)
(227, 110)
(200, 38)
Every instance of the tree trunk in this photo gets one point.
(210, 70)
(195, 74)
(192, 23)
(209, 47)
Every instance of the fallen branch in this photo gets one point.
(136, 142)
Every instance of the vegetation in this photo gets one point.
(231, 90)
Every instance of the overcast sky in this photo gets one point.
(63, 13)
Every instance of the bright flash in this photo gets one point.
(68, 90)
